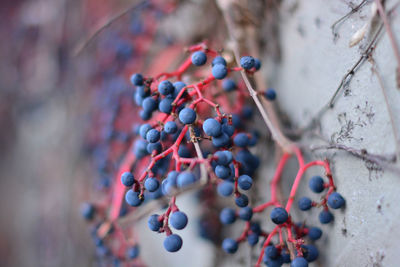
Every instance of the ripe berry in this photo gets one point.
(87, 211)
(137, 79)
(299, 262)
(224, 157)
(151, 184)
(218, 60)
(187, 116)
(270, 94)
(144, 128)
(310, 252)
(153, 223)
(222, 172)
(305, 203)
(178, 86)
(145, 115)
(143, 91)
(314, 233)
(228, 129)
(133, 252)
(225, 189)
(252, 239)
(212, 127)
(153, 136)
(227, 216)
(178, 220)
(170, 127)
(325, 217)
(132, 198)
(242, 201)
(241, 140)
(127, 179)
(316, 184)
(199, 58)
(257, 64)
(151, 147)
(247, 62)
(185, 178)
(229, 245)
(245, 182)
(273, 262)
(219, 71)
(165, 105)
(246, 213)
(271, 252)
(335, 200)
(228, 85)
(149, 104)
(285, 256)
(279, 215)
(221, 141)
(173, 243)
(165, 87)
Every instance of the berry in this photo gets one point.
(170, 127)
(257, 64)
(305, 203)
(153, 223)
(165, 105)
(242, 201)
(143, 91)
(227, 216)
(222, 172)
(151, 184)
(153, 136)
(219, 71)
(144, 128)
(199, 58)
(270, 94)
(145, 115)
(87, 211)
(299, 262)
(252, 239)
(273, 262)
(218, 60)
(165, 87)
(132, 198)
(316, 184)
(137, 79)
(212, 127)
(255, 228)
(279, 215)
(228, 85)
(127, 179)
(228, 129)
(133, 252)
(247, 62)
(173, 243)
(225, 189)
(187, 116)
(325, 217)
(178, 86)
(221, 141)
(247, 112)
(241, 140)
(246, 213)
(335, 200)
(151, 147)
(185, 178)
(178, 220)
(285, 256)
(149, 104)
(229, 245)
(311, 252)
(245, 182)
(224, 157)
(271, 252)
(314, 233)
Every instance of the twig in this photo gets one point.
(83, 44)
(203, 171)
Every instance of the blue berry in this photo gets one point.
(151, 147)
(225, 189)
(183, 151)
(242, 201)
(271, 252)
(255, 228)
(140, 149)
(335, 200)
(178, 220)
(247, 112)
(285, 256)
(270, 94)
(87, 211)
(311, 252)
(212, 127)
(228, 85)
(187, 116)
(178, 87)
(145, 115)
(299, 262)
(227, 216)
(218, 60)
(228, 129)
(314, 233)
(133, 252)
(137, 79)
(173, 243)
(165, 87)
(224, 157)
(153, 136)
(149, 104)
(132, 198)
(325, 217)
(246, 213)
(170, 127)
(247, 62)
(245, 182)
(241, 140)
(279, 215)
(199, 58)
(151, 184)
(165, 105)
(153, 223)
(143, 91)
(144, 128)
(252, 239)
(219, 71)
(257, 64)
(222, 172)
(305, 203)
(316, 184)
(185, 178)
(277, 262)
(229, 245)
(127, 179)
(221, 141)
